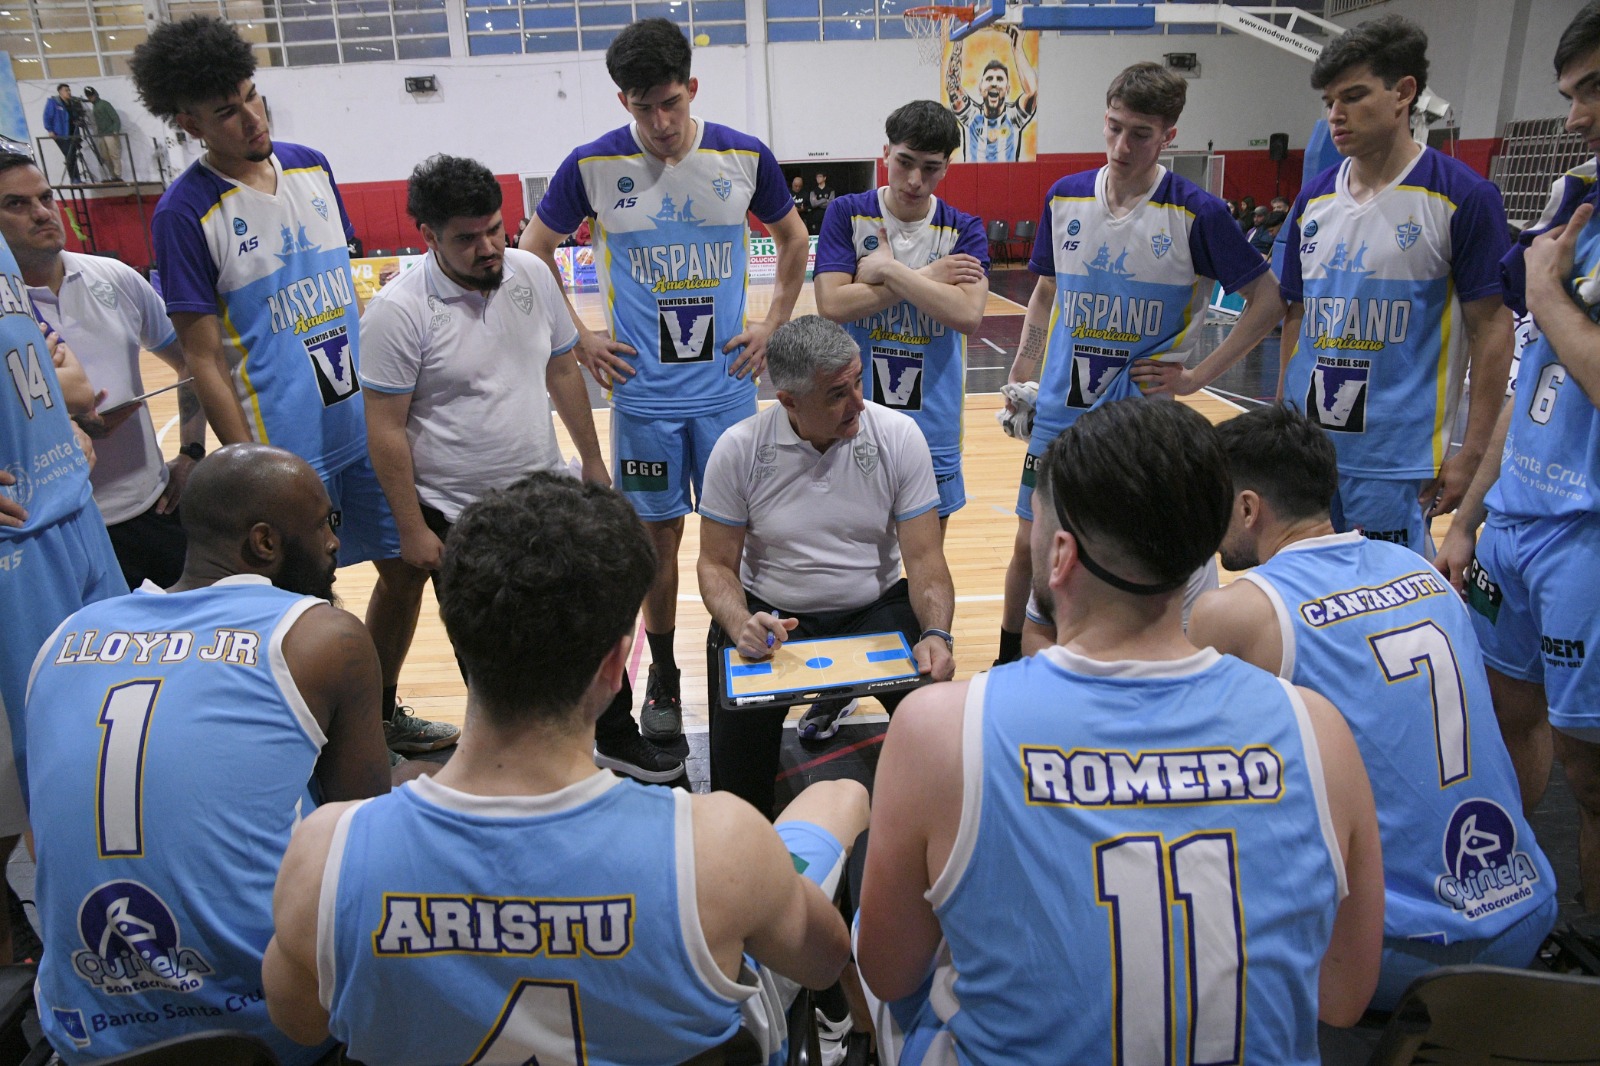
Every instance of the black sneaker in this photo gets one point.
(821, 720)
(635, 756)
(661, 717)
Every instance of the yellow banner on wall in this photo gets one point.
(991, 83)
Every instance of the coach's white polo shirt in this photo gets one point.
(105, 312)
(474, 364)
(819, 528)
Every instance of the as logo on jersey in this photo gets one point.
(1406, 234)
(132, 943)
(1484, 871)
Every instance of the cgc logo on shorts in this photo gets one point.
(1485, 871)
(640, 475)
(1483, 595)
(132, 943)
(1030, 470)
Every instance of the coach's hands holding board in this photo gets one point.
(763, 633)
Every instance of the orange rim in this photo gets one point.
(940, 11)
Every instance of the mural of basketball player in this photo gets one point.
(991, 120)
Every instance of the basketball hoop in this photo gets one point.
(930, 27)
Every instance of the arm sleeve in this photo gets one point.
(188, 274)
(563, 334)
(1218, 250)
(1043, 262)
(566, 202)
(915, 491)
(771, 201)
(1290, 286)
(724, 498)
(1478, 241)
(836, 246)
(972, 240)
(391, 348)
(1566, 194)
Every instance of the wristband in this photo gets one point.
(194, 451)
(941, 634)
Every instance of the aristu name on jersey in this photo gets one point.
(601, 928)
(1353, 603)
(1354, 323)
(1101, 316)
(671, 267)
(239, 647)
(902, 323)
(311, 302)
(1089, 778)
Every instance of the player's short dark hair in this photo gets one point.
(539, 582)
(1581, 36)
(804, 347)
(1145, 483)
(649, 53)
(1283, 456)
(1150, 89)
(443, 187)
(13, 160)
(1393, 46)
(924, 126)
(182, 63)
(63, 85)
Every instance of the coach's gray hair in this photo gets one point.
(804, 347)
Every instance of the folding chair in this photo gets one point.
(1023, 235)
(1470, 1015)
(996, 232)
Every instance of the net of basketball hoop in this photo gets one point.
(930, 27)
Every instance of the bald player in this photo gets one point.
(180, 737)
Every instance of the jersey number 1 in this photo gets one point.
(1133, 874)
(125, 733)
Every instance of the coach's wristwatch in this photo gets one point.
(941, 634)
(194, 451)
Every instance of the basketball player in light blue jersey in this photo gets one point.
(1534, 582)
(992, 122)
(1393, 284)
(1126, 256)
(669, 195)
(175, 736)
(1123, 837)
(255, 271)
(906, 275)
(55, 555)
(1377, 630)
(544, 910)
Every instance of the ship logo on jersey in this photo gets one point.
(1102, 266)
(1160, 244)
(132, 943)
(1073, 227)
(866, 453)
(329, 352)
(1311, 228)
(1406, 234)
(722, 187)
(687, 329)
(240, 227)
(1485, 873)
(104, 292)
(1337, 396)
(670, 212)
(624, 184)
(295, 242)
(897, 378)
(1342, 262)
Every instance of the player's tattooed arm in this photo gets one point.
(1035, 333)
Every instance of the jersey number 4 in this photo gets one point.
(28, 378)
(541, 1024)
(1133, 874)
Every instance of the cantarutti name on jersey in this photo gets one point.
(677, 267)
(1356, 324)
(1100, 316)
(601, 928)
(903, 324)
(311, 302)
(1091, 778)
(1353, 603)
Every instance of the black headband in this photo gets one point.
(1121, 584)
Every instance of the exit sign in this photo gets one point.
(1258, 142)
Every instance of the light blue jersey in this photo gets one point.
(1134, 287)
(909, 361)
(1145, 869)
(1385, 638)
(275, 269)
(1552, 451)
(997, 139)
(672, 257)
(1382, 350)
(558, 929)
(170, 755)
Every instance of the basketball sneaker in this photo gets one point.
(661, 717)
(821, 720)
(405, 732)
(635, 756)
